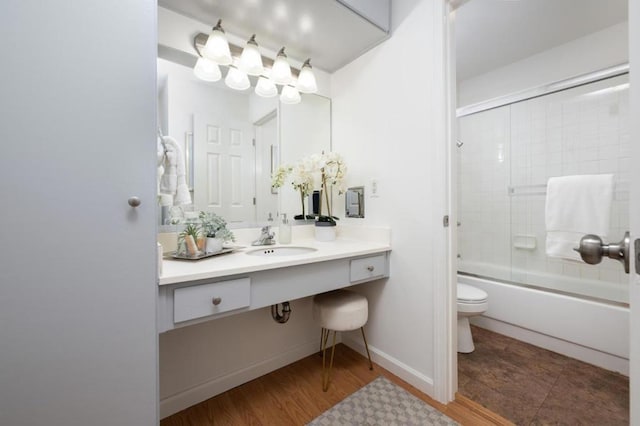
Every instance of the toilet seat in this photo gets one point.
(471, 295)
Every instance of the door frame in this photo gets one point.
(634, 207)
(445, 364)
(445, 369)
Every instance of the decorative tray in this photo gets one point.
(225, 250)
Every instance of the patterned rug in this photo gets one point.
(381, 403)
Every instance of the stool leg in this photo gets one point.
(326, 374)
(367, 348)
(321, 340)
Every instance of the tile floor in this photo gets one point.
(533, 386)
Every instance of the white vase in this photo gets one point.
(213, 245)
(325, 233)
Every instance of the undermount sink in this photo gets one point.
(281, 251)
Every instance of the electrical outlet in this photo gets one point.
(375, 190)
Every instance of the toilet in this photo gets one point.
(472, 301)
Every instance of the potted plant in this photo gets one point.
(214, 228)
(187, 240)
(332, 170)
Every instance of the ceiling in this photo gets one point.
(326, 31)
(494, 33)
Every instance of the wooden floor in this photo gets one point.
(293, 396)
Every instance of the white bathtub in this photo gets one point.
(594, 332)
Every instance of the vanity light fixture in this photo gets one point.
(290, 95)
(265, 87)
(207, 70)
(306, 79)
(251, 60)
(217, 46)
(236, 78)
(215, 50)
(281, 71)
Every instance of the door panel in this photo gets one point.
(78, 290)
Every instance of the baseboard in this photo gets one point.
(216, 386)
(397, 367)
(582, 353)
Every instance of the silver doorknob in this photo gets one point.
(134, 201)
(592, 250)
(216, 301)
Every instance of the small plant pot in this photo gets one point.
(325, 231)
(214, 245)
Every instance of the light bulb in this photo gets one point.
(266, 88)
(251, 60)
(217, 47)
(281, 72)
(306, 79)
(290, 95)
(207, 70)
(236, 79)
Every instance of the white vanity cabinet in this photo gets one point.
(194, 301)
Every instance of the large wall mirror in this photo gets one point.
(233, 140)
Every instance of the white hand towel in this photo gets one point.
(576, 206)
(174, 179)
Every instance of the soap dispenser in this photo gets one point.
(284, 230)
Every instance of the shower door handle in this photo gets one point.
(592, 250)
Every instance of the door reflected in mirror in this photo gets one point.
(233, 141)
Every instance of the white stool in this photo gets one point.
(339, 310)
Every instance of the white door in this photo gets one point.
(634, 214)
(267, 157)
(78, 289)
(224, 168)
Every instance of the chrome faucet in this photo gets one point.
(266, 237)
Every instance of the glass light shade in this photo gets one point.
(290, 95)
(266, 88)
(217, 47)
(281, 72)
(251, 60)
(237, 79)
(207, 70)
(307, 80)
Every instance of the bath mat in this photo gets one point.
(381, 403)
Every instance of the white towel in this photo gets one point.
(576, 206)
(174, 179)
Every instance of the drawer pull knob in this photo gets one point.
(370, 268)
(216, 300)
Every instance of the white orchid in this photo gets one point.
(280, 175)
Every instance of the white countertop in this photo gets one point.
(353, 242)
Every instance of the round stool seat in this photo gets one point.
(340, 310)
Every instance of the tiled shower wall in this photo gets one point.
(509, 153)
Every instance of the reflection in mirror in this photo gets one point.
(233, 140)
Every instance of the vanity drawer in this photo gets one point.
(209, 299)
(367, 268)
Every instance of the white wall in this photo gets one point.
(387, 122)
(595, 51)
(78, 339)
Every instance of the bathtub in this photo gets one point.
(592, 331)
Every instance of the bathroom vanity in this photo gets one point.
(251, 278)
